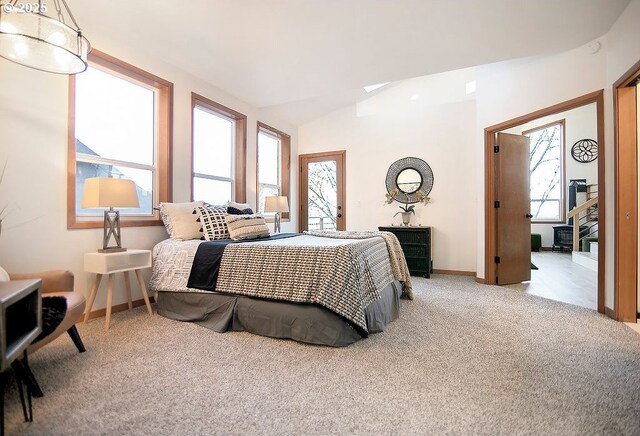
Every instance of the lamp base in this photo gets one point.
(111, 250)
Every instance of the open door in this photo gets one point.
(513, 209)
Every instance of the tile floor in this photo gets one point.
(558, 278)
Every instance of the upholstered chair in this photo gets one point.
(59, 283)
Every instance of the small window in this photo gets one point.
(119, 125)
(546, 172)
(218, 152)
(273, 156)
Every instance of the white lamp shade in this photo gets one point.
(106, 192)
(276, 203)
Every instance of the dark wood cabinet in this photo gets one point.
(416, 245)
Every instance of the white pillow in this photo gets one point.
(180, 220)
(4, 276)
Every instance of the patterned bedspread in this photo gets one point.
(343, 275)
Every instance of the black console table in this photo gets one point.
(20, 324)
(416, 245)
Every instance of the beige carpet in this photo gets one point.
(464, 358)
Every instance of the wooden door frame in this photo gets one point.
(490, 222)
(341, 168)
(625, 169)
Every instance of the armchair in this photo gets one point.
(59, 283)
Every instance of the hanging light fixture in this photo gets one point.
(30, 37)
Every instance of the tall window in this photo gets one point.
(274, 151)
(218, 152)
(119, 127)
(546, 172)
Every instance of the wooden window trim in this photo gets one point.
(285, 164)
(240, 146)
(164, 141)
(563, 168)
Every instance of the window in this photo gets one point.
(218, 152)
(119, 126)
(546, 172)
(273, 157)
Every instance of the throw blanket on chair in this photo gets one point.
(398, 262)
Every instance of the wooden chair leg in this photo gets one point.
(75, 337)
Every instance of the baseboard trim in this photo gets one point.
(610, 313)
(115, 309)
(481, 280)
(454, 272)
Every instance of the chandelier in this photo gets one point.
(30, 37)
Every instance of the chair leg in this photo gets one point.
(75, 337)
(30, 379)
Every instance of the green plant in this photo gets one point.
(407, 209)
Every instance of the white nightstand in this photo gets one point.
(111, 263)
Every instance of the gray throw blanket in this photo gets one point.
(398, 262)
(343, 275)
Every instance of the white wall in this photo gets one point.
(436, 127)
(580, 123)
(33, 142)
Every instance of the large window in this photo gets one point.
(119, 126)
(546, 172)
(273, 156)
(218, 152)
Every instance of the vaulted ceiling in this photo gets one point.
(287, 53)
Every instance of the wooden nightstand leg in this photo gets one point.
(109, 297)
(92, 296)
(127, 285)
(143, 289)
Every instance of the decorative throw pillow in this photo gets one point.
(241, 206)
(243, 227)
(179, 221)
(235, 211)
(213, 223)
(4, 276)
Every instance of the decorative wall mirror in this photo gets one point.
(406, 177)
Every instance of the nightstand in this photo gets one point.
(416, 245)
(111, 263)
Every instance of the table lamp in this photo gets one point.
(277, 204)
(107, 192)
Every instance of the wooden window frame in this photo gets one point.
(285, 165)
(563, 198)
(239, 188)
(163, 146)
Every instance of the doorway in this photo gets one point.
(322, 191)
(626, 125)
(491, 186)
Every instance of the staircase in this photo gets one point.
(585, 242)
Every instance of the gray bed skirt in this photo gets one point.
(308, 323)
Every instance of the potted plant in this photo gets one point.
(406, 209)
(406, 212)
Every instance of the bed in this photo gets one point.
(319, 288)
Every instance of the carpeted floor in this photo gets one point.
(462, 359)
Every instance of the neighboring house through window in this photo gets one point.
(273, 157)
(119, 126)
(218, 139)
(546, 171)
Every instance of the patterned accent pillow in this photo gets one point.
(240, 206)
(214, 226)
(178, 220)
(243, 227)
(235, 211)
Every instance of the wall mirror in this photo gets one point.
(406, 177)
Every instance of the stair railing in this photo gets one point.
(575, 214)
